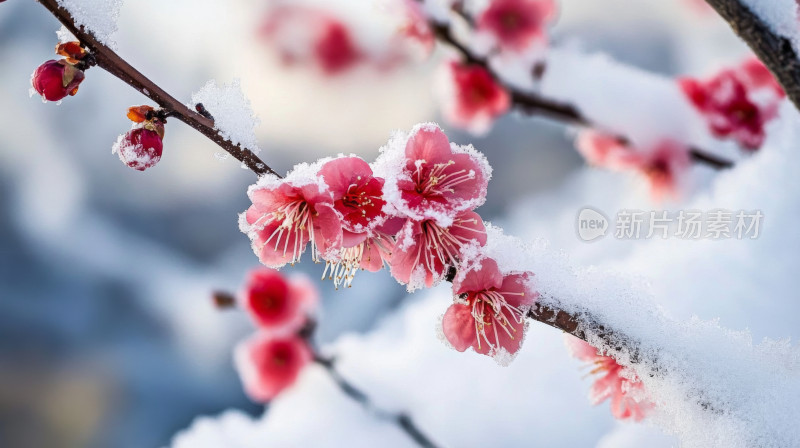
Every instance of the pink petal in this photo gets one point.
(268, 365)
(327, 229)
(487, 276)
(352, 239)
(374, 256)
(276, 249)
(510, 342)
(405, 256)
(430, 144)
(581, 349)
(458, 326)
(340, 173)
(392, 226)
(518, 287)
(468, 227)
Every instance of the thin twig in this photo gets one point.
(110, 61)
(404, 421)
(533, 104)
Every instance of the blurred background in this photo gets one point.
(108, 336)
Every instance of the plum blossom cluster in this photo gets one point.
(613, 382)
(413, 211)
(471, 95)
(737, 102)
(271, 359)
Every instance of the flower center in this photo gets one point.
(493, 314)
(658, 170)
(437, 180)
(282, 356)
(297, 225)
(511, 20)
(443, 246)
(358, 198)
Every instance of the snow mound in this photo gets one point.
(233, 114)
(98, 16)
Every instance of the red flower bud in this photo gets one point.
(140, 148)
(54, 80)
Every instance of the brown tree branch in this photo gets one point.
(110, 61)
(776, 52)
(533, 104)
(402, 420)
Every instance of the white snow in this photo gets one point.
(306, 422)
(98, 16)
(611, 95)
(64, 35)
(233, 115)
(781, 15)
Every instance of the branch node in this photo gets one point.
(203, 111)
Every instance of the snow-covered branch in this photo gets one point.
(110, 61)
(536, 104)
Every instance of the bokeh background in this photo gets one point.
(107, 333)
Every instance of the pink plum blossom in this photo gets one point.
(489, 310)
(277, 303)
(474, 98)
(285, 217)
(737, 103)
(425, 249)
(313, 36)
(335, 50)
(515, 24)
(613, 381)
(439, 181)
(663, 165)
(267, 365)
(367, 229)
(357, 196)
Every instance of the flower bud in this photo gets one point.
(54, 80)
(140, 148)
